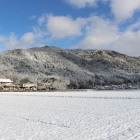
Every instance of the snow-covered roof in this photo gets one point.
(5, 81)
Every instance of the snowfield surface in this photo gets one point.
(85, 115)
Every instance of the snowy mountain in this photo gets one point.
(81, 68)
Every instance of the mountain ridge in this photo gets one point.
(82, 68)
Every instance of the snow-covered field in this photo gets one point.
(91, 115)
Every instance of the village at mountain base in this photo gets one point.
(52, 85)
(9, 85)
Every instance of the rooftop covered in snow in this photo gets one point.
(5, 81)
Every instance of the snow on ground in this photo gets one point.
(85, 115)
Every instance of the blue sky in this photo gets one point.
(84, 24)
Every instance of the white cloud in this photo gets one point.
(124, 9)
(28, 37)
(42, 19)
(2, 38)
(129, 41)
(82, 3)
(99, 34)
(64, 26)
(104, 34)
(33, 17)
(27, 40)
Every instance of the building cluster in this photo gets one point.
(9, 85)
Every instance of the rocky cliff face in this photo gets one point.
(82, 68)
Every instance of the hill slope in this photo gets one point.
(82, 68)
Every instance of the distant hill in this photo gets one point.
(80, 68)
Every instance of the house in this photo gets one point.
(9, 86)
(29, 86)
(6, 84)
(5, 81)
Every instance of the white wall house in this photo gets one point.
(4, 81)
(6, 84)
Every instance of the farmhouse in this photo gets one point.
(6, 84)
(9, 86)
(29, 85)
(5, 81)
